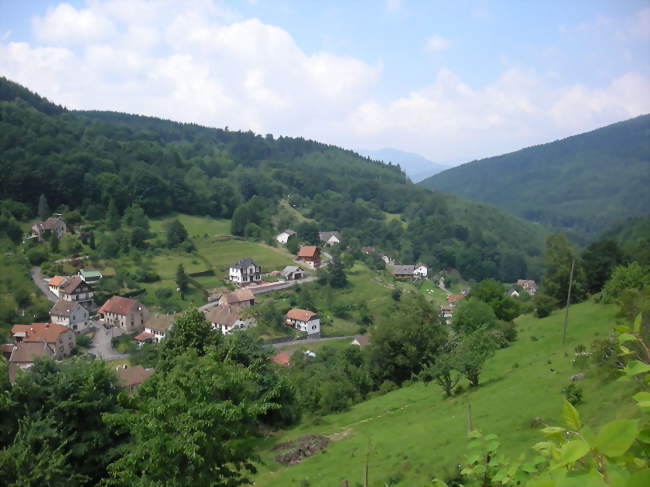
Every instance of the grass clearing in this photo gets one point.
(413, 434)
(195, 225)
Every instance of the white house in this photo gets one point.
(330, 238)
(283, 237)
(420, 270)
(304, 320)
(245, 271)
(228, 318)
(513, 293)
(70, 314)
(158, 325)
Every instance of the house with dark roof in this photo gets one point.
(125, 313)
(303, 320)
(228, 318)
(242, 298)
(24, 354)
(403, 271)
(70, 314)
(129, 377)
(330, 238)
(61, 339)
(42, 230)
(309, 255)
(71, 288)
(292, 273)
(245, 271)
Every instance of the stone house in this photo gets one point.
(42, 230)
(70, 314)
(126, 313)
(59, 337)
(243, 298)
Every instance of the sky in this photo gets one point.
(452, 81)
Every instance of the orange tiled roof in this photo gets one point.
(40, 331)
(56, 281)
(118, 305)
(281, 358)
(300, 314)
(308, 251)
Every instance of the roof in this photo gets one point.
(325, 236)
(243, 264)
(118, 305)
(300, 314)
(49, 332)
(56, 281)
(141, 337)
(71, 283)
(85, 273)
(401, 270)
(223, 315)
(362, 340)
(239, 296)
(452, 298)
(30, 351)
(368, 250)
(308, 251)
(288, 232)
(281, 358)
(49, 224)
(132, 376)
(159, 322)
(290, 269)
(63, 308)
(6, 348)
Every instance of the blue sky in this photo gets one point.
(452, 81)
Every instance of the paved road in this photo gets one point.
(309, 340)
(102, 347)
(37, 277)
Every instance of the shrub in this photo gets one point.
(573, 394)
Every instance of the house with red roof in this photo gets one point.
(130, 377)
(303, 320)
(452, 299)
(281, 358)
(59, 338)
(126, 313)
(42, 230)
(310, 255)
(24, 354)
(71, 288)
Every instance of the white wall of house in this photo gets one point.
(421, 271)
(243, 276)
(157, 334)
(55, 290)
(237, 325)
(310, 327)
(283, 238)
(77, 321)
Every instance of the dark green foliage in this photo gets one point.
(182, 280)
(472, 314)
(308, 233)
(54, 242)
(598, 260)
(336, 277)
(544, 304)
(10, 227)
(57, 409)
(191, 332)
(472, 353)
(43, 208)
(292, 244)
(175, 234)
(113, 216)
(582, 184)
(37, 255)
(573, 394)
(558, 259)
(491, 292)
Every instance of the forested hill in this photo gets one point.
(85, 160)
(582, 184)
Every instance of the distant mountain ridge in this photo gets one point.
(582, 184)
(414, 165)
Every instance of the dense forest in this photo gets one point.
(88, 161)
(581, 185)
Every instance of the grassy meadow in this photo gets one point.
(413, 435)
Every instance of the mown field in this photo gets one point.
(413, 435)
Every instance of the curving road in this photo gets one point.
(37, 277)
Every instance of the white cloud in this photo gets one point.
(66, 25)
(436, 43)
(200, 62)
(393, 4)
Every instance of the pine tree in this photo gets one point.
(182, 280)
(43, 208)
(91, 241)
(113, 217)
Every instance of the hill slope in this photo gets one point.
(83, 160)
(582, 184)
(415, 166)
(413, 435)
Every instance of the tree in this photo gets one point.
(336, 274)
(182, 281)
(444, 370)
(191, 331)
(292, 244)
(175, 233)
(113, 216)
(308, 233)
(91, 240)
(544, 304)
(43, 208)
(472, 314)
(239, 221)
(491, 292)
(631, 276)
(598, 260)
(558, 258)
(407, 341)
(472, 353)
(54, 242)
(192, 425)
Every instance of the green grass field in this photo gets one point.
(195, 225)
(413, 435)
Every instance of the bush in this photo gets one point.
(37, 255)
(544, 304)
(84, 341)
(573, 394)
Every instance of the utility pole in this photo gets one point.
(470, 426)
(568, 301)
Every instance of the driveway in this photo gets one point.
(102, 347)
(37, 277)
